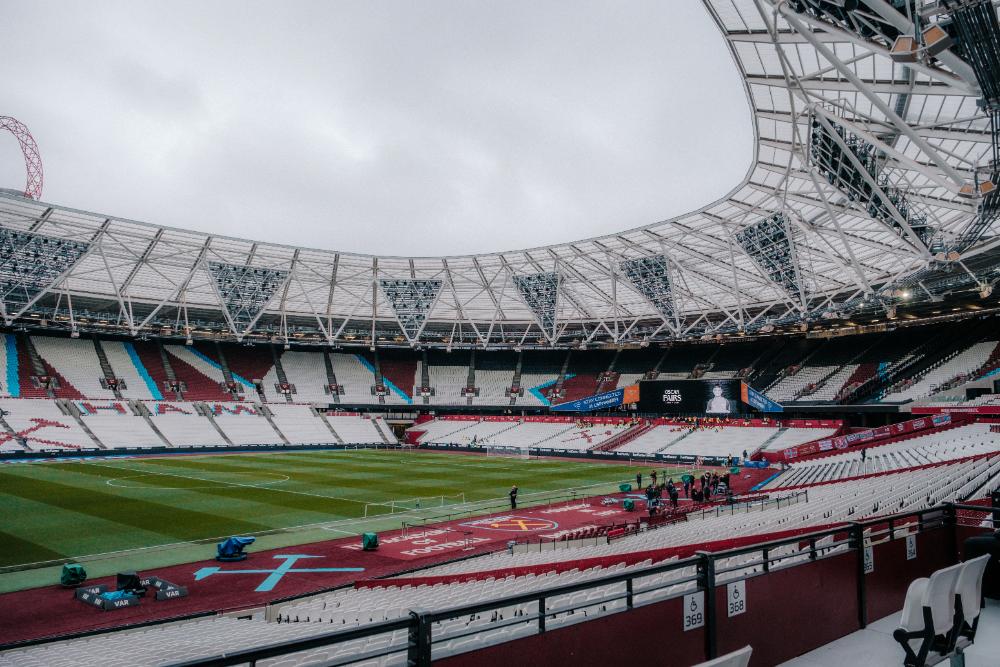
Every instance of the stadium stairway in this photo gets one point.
(280, 377)
(623, 438)
(331, 377)
(675, 441)
(109, 373)
(329, 427)
(29, 365)
(69, 409)
(269, 416)
(139, 409)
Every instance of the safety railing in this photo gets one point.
(537, 611)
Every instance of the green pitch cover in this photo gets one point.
(73, 574)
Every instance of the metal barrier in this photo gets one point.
(530, 610)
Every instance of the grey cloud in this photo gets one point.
(384, 127)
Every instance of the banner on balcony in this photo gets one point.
(956, 410)
(757, 400)
(864, 437)
(605, 401)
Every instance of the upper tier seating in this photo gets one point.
(637, 362)
(20, 371)
(8, 349)
(75, 360)
(202, 378)
(832, 386)
(493, 386)
(628, 379)
(448, 383)
(400, 372)
(149, 360)
(307, 372)
(128, 367)
(790, 386)
(734, 357)
(355, 377)
(536, 387)
(250, 363)
(812, 370)
(961, 365)
(585, 369)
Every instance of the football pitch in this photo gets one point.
(95, 508)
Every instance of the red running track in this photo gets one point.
(52, 611)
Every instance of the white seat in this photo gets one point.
(928, 615)
(969, 597)
(740, 658)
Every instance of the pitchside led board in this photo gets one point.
(713, 398)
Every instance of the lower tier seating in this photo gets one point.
(949, 445)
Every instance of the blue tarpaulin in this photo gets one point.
(117, 595)
(232, 548)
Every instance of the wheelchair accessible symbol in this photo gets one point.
(274, 576)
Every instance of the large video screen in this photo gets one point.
(714, 398)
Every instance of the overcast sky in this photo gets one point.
(405, 128)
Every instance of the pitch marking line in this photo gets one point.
(236, 484)
(254, 486)
(258, 485)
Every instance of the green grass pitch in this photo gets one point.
(75, 509)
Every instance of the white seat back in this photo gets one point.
(940, 597)
(740, 658)
(970, 586)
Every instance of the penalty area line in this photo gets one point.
(236, 484)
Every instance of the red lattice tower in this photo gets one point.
(32, 160)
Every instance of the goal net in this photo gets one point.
(412, 504)
(508, 451)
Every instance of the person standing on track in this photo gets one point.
(513, 497)
(638, 481)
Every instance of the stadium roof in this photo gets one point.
(870, 181)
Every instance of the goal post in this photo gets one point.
(396, 506)
(508, 451)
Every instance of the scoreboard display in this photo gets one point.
(713, 398)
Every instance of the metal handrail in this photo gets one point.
(419, 622)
